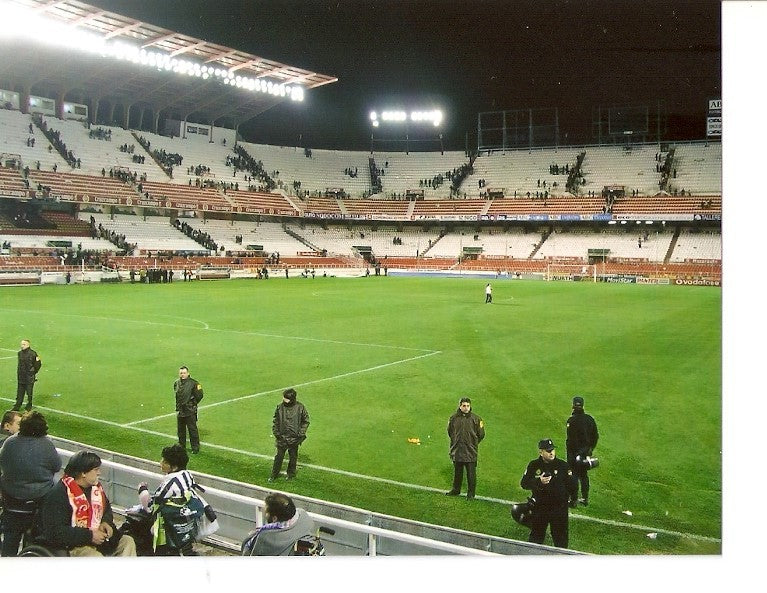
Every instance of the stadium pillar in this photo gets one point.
(95, 109)
(24, 99)
(59, 107)
(126, 119)
(156, 124)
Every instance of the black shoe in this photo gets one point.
(452, 493)
(195, 451)
(16, 409)
(293, 477)
(469, 497)
(28, 408)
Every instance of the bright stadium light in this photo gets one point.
(417, 116)
(21, 22)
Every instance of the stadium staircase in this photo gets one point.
(57, 144)
(539, 244)
(151, 153)
(672, 245)
(303, 240)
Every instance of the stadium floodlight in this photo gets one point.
(417, 116)
(19, 21)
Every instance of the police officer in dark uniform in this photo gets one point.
(553, 486)
(26, 373)
(188, 395)
(465, 430)
(582, 437)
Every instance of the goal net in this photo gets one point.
(572, 272)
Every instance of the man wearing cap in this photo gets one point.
(553, 486)
(291, 420)
(582, 437)
(465, 430)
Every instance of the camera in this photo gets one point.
(587, 462)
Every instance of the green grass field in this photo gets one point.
(380, 360)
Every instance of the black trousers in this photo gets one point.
(21, 390)
(556, 517)
(188, 422)
(18, 516)
(581, 474)
(471, 476)
(292, 451)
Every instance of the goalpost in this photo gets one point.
(572, 272)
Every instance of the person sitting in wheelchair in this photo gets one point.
(286, 526)
(76, 515)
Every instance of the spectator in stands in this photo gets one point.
(28, 462)
(553, 486)
(77, 515)
(9, 425)
(289, 426)
(466, 430)
(188, 394)
(177, 484)
(285, 524)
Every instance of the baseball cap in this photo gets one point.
(546, 444)
(578, 401)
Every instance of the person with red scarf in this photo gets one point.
(77, 516)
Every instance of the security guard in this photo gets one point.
(188, 395)
(553, 486)
(466, 430)
(26, 373)
(582, 437)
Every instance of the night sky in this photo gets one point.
(464, 57)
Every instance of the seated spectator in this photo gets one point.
(28, 462)
(9, 425)
(176, 488)
(285, 526)
(77, 515)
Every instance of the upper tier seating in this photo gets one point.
(14, 132)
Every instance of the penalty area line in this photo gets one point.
(377, 479)
(279, 389)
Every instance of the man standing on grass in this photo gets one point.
(289, 425)
(488, 293)
(26, 373)
(465, 430)
(582, 437)
(188, 395)
(553, 487)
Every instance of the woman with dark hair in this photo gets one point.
(28, 462)
(77, 515)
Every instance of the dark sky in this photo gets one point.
(465, 57)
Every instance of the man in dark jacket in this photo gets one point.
(582, 437)
(26, 373)
(77, 516)
(188, 395)
(553, 486)
(465, 430)
(289, 425)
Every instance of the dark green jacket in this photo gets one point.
(465, 432)
(188, 395)
(290, 424)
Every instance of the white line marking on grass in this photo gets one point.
(279, 389)
(229, 331)
(349, 474)
(202, 323)
(7, 357)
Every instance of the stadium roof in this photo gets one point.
(79, 77)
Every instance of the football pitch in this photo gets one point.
(382, 361)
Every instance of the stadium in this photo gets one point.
(152, 217)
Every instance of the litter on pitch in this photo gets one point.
(414, 440)
(629, 513)
(652, 535)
